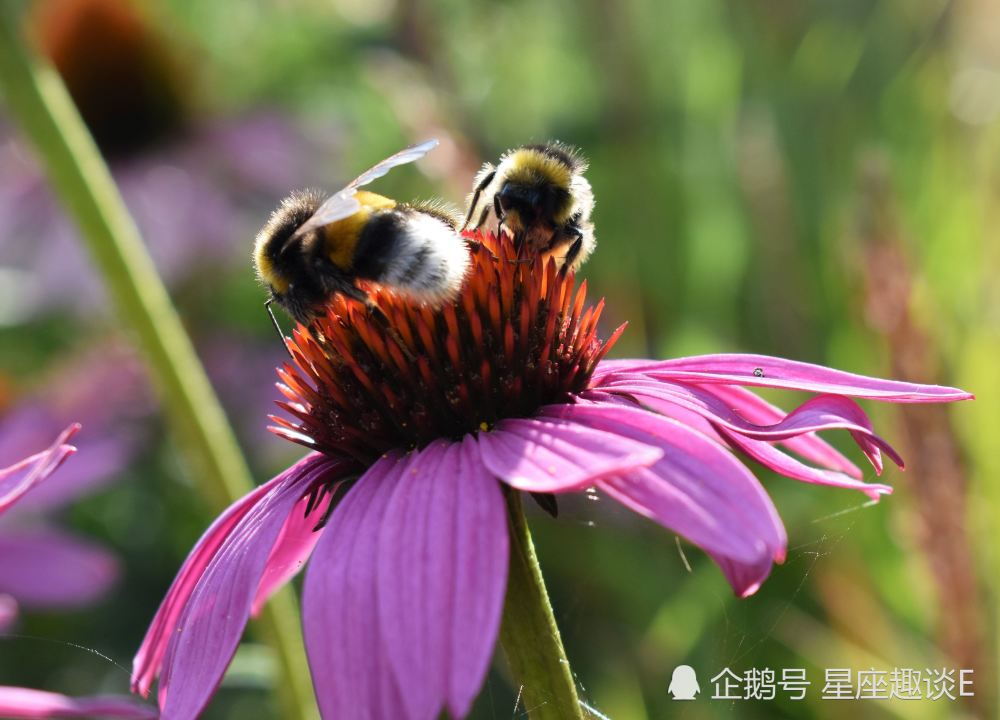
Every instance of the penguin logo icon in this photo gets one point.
(684, 683)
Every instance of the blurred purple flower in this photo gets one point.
(19, 703)
(77, 572)
(44, 570)
(235, 364)
(19, 478)
(106, 390)
(403, 599)
(197, 200)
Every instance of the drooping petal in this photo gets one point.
(351, 669)
(761, 451)
(760, 412)
(442, 570)
(697, 489)
(18, 702)
(148, 661)
(294, 546)
(773, 458)
(47, 568)
(744, 578)
(18, 479)
(551, 455)
(97, 462)
(735, 488)
(200, 622)
(767, 371)
(825, 412)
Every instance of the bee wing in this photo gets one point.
(344, 203)
(408, 155)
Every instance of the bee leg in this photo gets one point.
(475, 198)
(483, 216)
(383, 320)
(498, 209)
(277, 327)
(573, 252)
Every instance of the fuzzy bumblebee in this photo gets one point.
(538, 194)
(313, 248)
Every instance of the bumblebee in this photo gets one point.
(539, 195)
(312, 248)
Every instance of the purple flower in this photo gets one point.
(16, 702)
(16, 482)
(414, 417)
(105, 390)
(77, 572)
(18, 479)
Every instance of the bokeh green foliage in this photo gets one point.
(732, 147)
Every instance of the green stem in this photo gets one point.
(37, 98)
(529, 634)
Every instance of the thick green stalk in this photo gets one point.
(37, 99)
(529, 634)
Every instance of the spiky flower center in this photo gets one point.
(517, 337)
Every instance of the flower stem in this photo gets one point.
(529, 634)
(38, 100)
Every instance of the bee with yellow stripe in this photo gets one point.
(539, 195)
(312, 248)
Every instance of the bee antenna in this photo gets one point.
(277, 327)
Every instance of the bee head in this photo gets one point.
(538, 183)
(276, 253)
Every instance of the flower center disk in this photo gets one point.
(516, 337)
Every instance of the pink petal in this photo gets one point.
(442, 571)
(825, 412)
(18, 479)
(698, 489)
(76, 572)
(611, 367)
(18, 702)
(760, 412)
(212, 622)
(550, 455)
(745, 578)
(8, 612)
(294, 546)
(759, 450)
(148, 661)
(770, 457)
(198, 626)
(767, 371)
(98, 462)
(688, 418)
(351, 669)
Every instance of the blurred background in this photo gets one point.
(807, 179)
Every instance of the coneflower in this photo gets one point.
(422, 421)
(16, 482)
